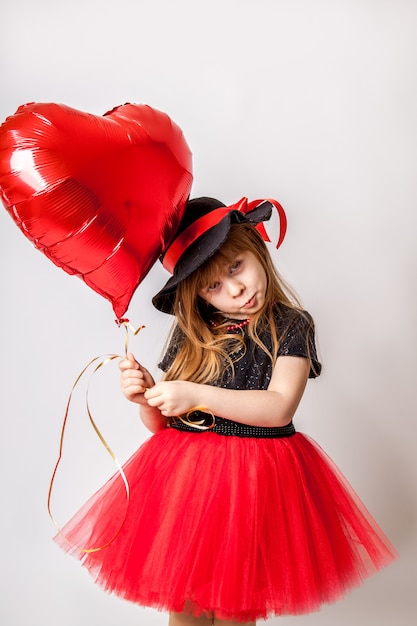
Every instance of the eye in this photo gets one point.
(213, 287)
(235, 266)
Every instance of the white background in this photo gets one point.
(311, 102)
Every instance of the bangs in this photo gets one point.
(215, 267)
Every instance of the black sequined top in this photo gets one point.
(253, 366)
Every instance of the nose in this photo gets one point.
(235, 287)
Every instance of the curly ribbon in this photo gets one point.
(103, 360)
(123, 321)
(198, 424)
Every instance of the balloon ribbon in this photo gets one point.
(102, 361)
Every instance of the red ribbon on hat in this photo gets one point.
(200, 226)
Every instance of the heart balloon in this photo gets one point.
(100, 196)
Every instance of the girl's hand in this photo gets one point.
(173, 397)
(135, 380)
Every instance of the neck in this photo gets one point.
(240, 324)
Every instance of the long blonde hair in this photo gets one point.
(204, 351)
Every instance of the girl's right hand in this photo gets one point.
(135, 379)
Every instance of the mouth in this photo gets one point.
(250, 303)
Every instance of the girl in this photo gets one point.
(233, 515)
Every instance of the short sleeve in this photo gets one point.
(174, 344)
(298, 339)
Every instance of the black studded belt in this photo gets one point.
(206, 422)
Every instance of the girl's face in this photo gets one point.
(238, 291)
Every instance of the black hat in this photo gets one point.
(203, 230)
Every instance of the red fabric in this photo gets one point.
(197, 228)
(244, 528)
(190, 234)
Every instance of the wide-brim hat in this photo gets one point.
(202, 232)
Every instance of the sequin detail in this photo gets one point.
(253, 367)
(231, 428)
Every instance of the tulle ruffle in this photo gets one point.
(239, 528)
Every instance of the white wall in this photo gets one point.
(311, 102)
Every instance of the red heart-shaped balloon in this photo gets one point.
(101, 196)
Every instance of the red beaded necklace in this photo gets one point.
(241, 324)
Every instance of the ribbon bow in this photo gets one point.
(204, 223)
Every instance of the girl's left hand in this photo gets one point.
(173, 397)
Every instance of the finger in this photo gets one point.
(132, 378)
(156, 401)
(132, 373)
(129, 363)
(133, 388)
(153, 392)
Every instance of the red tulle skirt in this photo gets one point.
(239, 528)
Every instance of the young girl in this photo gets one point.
(233, 515)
